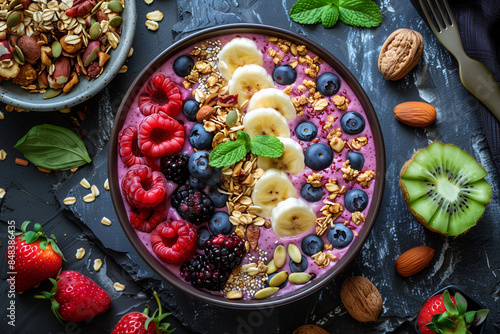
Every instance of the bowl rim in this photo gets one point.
(67, 100)
(117, 200)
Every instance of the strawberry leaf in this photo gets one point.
(434, 327)
(448, 304)
(446, 322)
(480, 317)
(461, 303)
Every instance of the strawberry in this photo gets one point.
(140, 323)
(37, 257)
(444, 314)
(75, 297)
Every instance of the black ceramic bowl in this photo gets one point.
(472, 305)
(151, 260)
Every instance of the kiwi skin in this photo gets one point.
(406, 195)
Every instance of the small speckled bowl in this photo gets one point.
(472, 305)
(114, 183)
(18, 97)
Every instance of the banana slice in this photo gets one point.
(275, 99)
(292, 159)
(238, 52)
(266, 121)
(292, 217)
(248, 80)
(272, 188)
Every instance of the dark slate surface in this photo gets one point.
(470, 261)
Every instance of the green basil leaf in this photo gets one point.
(53, 147)
(228, 153)
(267, 146)
(361, 13)
(330, 16)
(309, 11)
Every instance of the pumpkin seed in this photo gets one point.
(95, 30)
(13, 19)
(299, 278)
(19, 53)
(294, 252)
(115, 6)
(279, 256)
(279, 278)
(17, 60)
(96, 7)
(115, 21)
(50, 93)
(13, 4)
(266, 292)
(271, 268)
(56, 49)
(232, 118)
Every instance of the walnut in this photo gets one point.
(365, 179)
(340, 102)
(349, 173)
(358, 217)
(400, 53)
(26, 76)
(361, 299)
(315, 179)
(359, 142)
(337, 144)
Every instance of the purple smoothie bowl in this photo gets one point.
(120, 206)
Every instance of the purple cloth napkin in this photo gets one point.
(479, 25)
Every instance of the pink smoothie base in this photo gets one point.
(268, 241)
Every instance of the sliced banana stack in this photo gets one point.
(238, 52)
(272, 188)
(248, 80)
(292, 159)
(266, 121)
(292, 217)
(275, 99)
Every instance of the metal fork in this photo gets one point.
(475, 76)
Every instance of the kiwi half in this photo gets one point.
(444, 188)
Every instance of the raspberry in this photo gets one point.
(145, 220)
(160, 135)
(192, 205)
(174, 242)
(142, 187)
(161, 94)
(203, 274)
(175, 168)
(225, 252)
(129, 149)
(93, 70)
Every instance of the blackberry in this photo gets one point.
(225, 251)
(203, 274)
(174, 167)
(193, 205)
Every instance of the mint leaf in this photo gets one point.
(309, 11)
(243, 136)
(228, 153)
(267, 146)
(361, 13)
(330, 16)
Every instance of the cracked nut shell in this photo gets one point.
(361, 299)
(400, 53)
(310, 329)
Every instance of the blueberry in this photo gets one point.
(199, 138)
(340, 235)
(213, 179)
(190, 109)
(310, 193)
(284, 75)
(220, 224)
(306, 131)
(352, 123)
(356, 200)
(198, 165)
(197, 184)
(356, 160)
(219, 199)
(281, 286)
(318, 156)
(312, 244)
(298, 267)
(203, 235)
(183, 65)
(328, 84)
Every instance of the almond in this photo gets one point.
(30, 48)
(253, 232)
(204, 113)
(416, 114)
(361, 299)
(414, 260)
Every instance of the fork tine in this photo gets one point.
(427, 16)
(435, 15)
(445, 19)
(450, 15)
